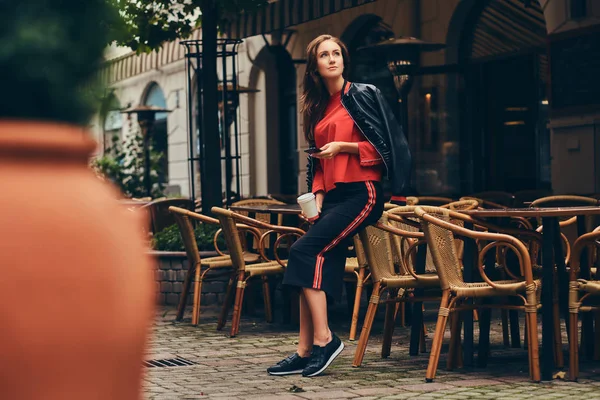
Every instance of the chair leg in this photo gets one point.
(534, 352)
(402, 314)
(505, 338)
(485, 317)
(388, 327)
(455, 339)
(436, 346)
(267, 300)
(197, 296)
(367, 325)
(573, 347)
(185, 292)
(597, 336)
(400, 307)
(559, 360)
(422, 344)
(525, 338)
(226, 303)
(237, 305)
(515, 332)
(356, 308)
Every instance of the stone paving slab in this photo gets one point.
(234, 368)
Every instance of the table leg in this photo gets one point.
(587, 322)
(417, 313)
(469, 260)
(547, 356)
(486, 314)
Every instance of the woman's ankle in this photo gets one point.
(304, 352)
(322, 340)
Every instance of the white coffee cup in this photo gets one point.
(308, 204)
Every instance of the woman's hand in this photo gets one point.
(328, 151)
(332, 149)
(319, 200)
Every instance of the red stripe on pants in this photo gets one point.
(357, 221)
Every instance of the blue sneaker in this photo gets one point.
(322, 356)
(293, 364)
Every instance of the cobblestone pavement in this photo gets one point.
(234, 368)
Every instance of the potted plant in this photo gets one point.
(76, 284)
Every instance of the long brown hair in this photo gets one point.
(315, 95)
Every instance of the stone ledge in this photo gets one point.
(170, 270)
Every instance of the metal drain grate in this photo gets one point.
(168, 362)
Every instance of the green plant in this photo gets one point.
(123, 164)
(146, 24)
(50, 57)
(169, 239)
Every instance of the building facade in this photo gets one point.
(511, 102)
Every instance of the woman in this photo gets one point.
(359, 140)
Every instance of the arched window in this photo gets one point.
(112, 122)
(160, 138)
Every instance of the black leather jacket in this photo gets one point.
(371, 113)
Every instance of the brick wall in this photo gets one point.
(169, 274)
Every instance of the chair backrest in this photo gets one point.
(484, 203)
(428, 200)
(232, 237)
(440, 242)
(569, 201)
(565, 201)
(497, 196)
(183, 219)
(401, 245)
(378, 251)
(359, 249)
(524, 197)
(160, 217)
(462, 205)
(262, 217)
(389, 206)
(581, 244)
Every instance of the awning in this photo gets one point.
(281, 14)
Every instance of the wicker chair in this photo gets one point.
(223, 263)
(160, 217)
(228, 220)
(439, 232)
(357, 271)
(579, 291)
(504, 199)
(566, 201)
(483, 203)
(428, 200)
(378, 247)
(524, 197)
(404, 245)
(388, 206)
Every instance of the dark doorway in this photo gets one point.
(280, 108)
(288, 133)
(506, 111)
(501, 47)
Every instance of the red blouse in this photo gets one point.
(337, 126)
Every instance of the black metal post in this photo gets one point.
(214, 146)
(146, 137)
(210, 160)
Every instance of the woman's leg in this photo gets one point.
(317, 303)
(305, 342)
